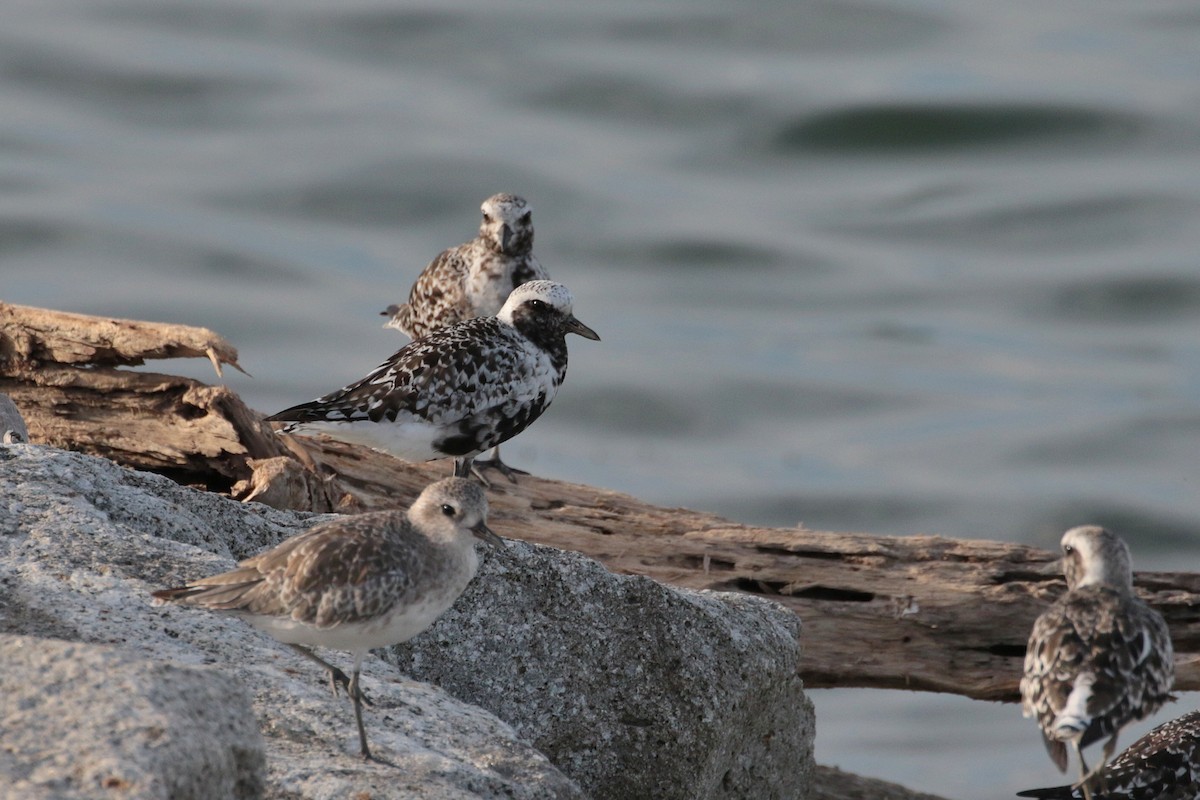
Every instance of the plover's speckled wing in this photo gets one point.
(474, 278)
(1162, 765)
(438, 296)
(1114, 640)
(466, 388)
(345, 570)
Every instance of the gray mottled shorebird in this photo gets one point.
(1099, 658)
(461, 389)
(1162, 765)
(356, 582)
(474, 279)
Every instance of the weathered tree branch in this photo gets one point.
(916, 612)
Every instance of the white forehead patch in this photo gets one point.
(550, 292)
(505, 207)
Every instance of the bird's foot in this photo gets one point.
(495, 463)
(339, 679)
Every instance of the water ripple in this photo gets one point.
(913, 128)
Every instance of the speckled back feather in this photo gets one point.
(346, 570)
(1162, 765)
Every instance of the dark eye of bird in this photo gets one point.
(448, 509)
(487, 218)
(1068, 550)
(525, 218)
(537, 304)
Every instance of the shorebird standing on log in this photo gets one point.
(356, 582)
(1099, 658)
(474, 279)
(460, 390)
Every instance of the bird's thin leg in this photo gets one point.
(336, 676)
(1084, 774)
(357, 696)
(464, 467)
(495, 463)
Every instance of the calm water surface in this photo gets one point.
(901, 267)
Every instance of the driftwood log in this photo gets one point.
(918, 612)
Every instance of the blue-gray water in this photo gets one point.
(926, 266)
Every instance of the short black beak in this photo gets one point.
(573, 325)
(506, 237)
(484, 533)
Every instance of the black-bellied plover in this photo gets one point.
(1099, 658)
(1162, 765)
(460, 390)
(473, 280)
(356, 582)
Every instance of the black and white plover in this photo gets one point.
(1162, 765)
(473, 280)
(1099, 658)
(356, 582)
(461, 389)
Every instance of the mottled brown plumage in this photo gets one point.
(1099, 658)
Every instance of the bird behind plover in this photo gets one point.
(474, 279)
(460, 390)
(1162, 765)
(356, 582)
(1099, 658)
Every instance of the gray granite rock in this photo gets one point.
(634, 689)
(84, 721)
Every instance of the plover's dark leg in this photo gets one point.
(495, 463)
(356, 694)
(464, 467)
(336, 676)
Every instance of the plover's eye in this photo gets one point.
(448, 509)
(525, 218)
(487, 218)
(537, 304)
(1068, 549)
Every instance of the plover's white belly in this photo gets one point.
(402, 624)
(411, 440)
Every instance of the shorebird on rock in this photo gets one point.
(461, 389)
(356, 582)
(1099, 658)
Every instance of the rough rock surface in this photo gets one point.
(632, 688)
(151, 729)
(635, 689)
